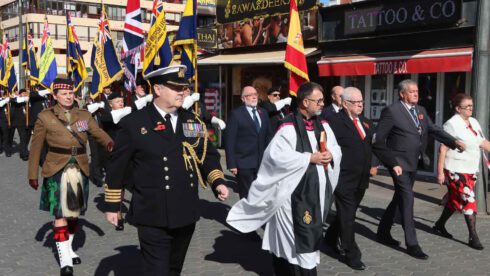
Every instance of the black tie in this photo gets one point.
(168, 124)
(256, 120)
(414, 115)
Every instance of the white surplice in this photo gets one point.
(269, 198)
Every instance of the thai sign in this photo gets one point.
(206, 38)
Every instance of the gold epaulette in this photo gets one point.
(214, 175)
(112, 195)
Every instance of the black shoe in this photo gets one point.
(25, 158)
(416, 252)
(475, 243)
(76, 260)
(66, 271)
(8, 154)
(120, 225)
(356, 265)
(387, 239)
(441, 231)
(1, 150)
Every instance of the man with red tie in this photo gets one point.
(354, 134)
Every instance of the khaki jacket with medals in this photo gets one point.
(49, 129)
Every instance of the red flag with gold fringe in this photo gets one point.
(295, 60)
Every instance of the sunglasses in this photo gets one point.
(275, 94)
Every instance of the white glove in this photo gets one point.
(95, 106)
(218, 122)
(281, 103)
(117, 115)
(43, 93)
(190, 100)
(22, 99)
(4, 102)
(141, 102)
(149, 98)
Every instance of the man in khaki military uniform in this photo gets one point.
(64, 192)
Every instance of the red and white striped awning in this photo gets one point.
(449, 60)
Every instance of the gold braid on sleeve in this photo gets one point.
(112, 195)
(190, 153)
(215, 175)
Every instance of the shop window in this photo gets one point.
(378, 96)
(357, 82)
(427, 98)
(454, 83)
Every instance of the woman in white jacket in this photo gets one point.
(459, 170)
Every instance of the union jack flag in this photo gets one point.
(133, 42)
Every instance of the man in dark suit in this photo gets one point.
(170, 155)
(336, 97)
(354, 134)
(275, 107)
(403, 130)
(247, 134)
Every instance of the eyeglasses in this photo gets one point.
(251, 95)
(355, 102)
(467, 107)
(318, 102)
(275, 94)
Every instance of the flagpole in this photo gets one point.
(27, 75)
(68, 75)
(194, 63)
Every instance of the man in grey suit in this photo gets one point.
(403, 130)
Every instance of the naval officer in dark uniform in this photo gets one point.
(170, 155)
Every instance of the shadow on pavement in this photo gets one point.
(420, 196)
(80, 235)
(242, 249)
(126, 262)
(214, 211)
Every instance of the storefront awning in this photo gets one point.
(274, 57)
(449, 60)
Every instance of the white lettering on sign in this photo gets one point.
(390, 67)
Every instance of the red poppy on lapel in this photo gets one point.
(160, 126)
(366, 125)
(421, 116)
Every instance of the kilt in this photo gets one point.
(51, 196)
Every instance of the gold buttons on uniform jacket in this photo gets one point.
(167, 187)
(192, 184)
(191, 175)
(166, 169)
(165, 158)
(167, 177)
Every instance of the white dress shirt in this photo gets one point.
(249, 109)
(173, 116)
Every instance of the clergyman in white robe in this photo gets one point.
(269, 198)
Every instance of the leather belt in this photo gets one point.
(73, 151)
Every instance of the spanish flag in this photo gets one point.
(295, 60)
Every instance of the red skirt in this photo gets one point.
(460, 195)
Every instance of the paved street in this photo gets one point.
(27, 245)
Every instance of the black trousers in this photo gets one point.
(403, 200)
(347, 201)
(96, 175)
(283, 268)
(164, 249)
(245, 177)
(4, 137)
(24, 138)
